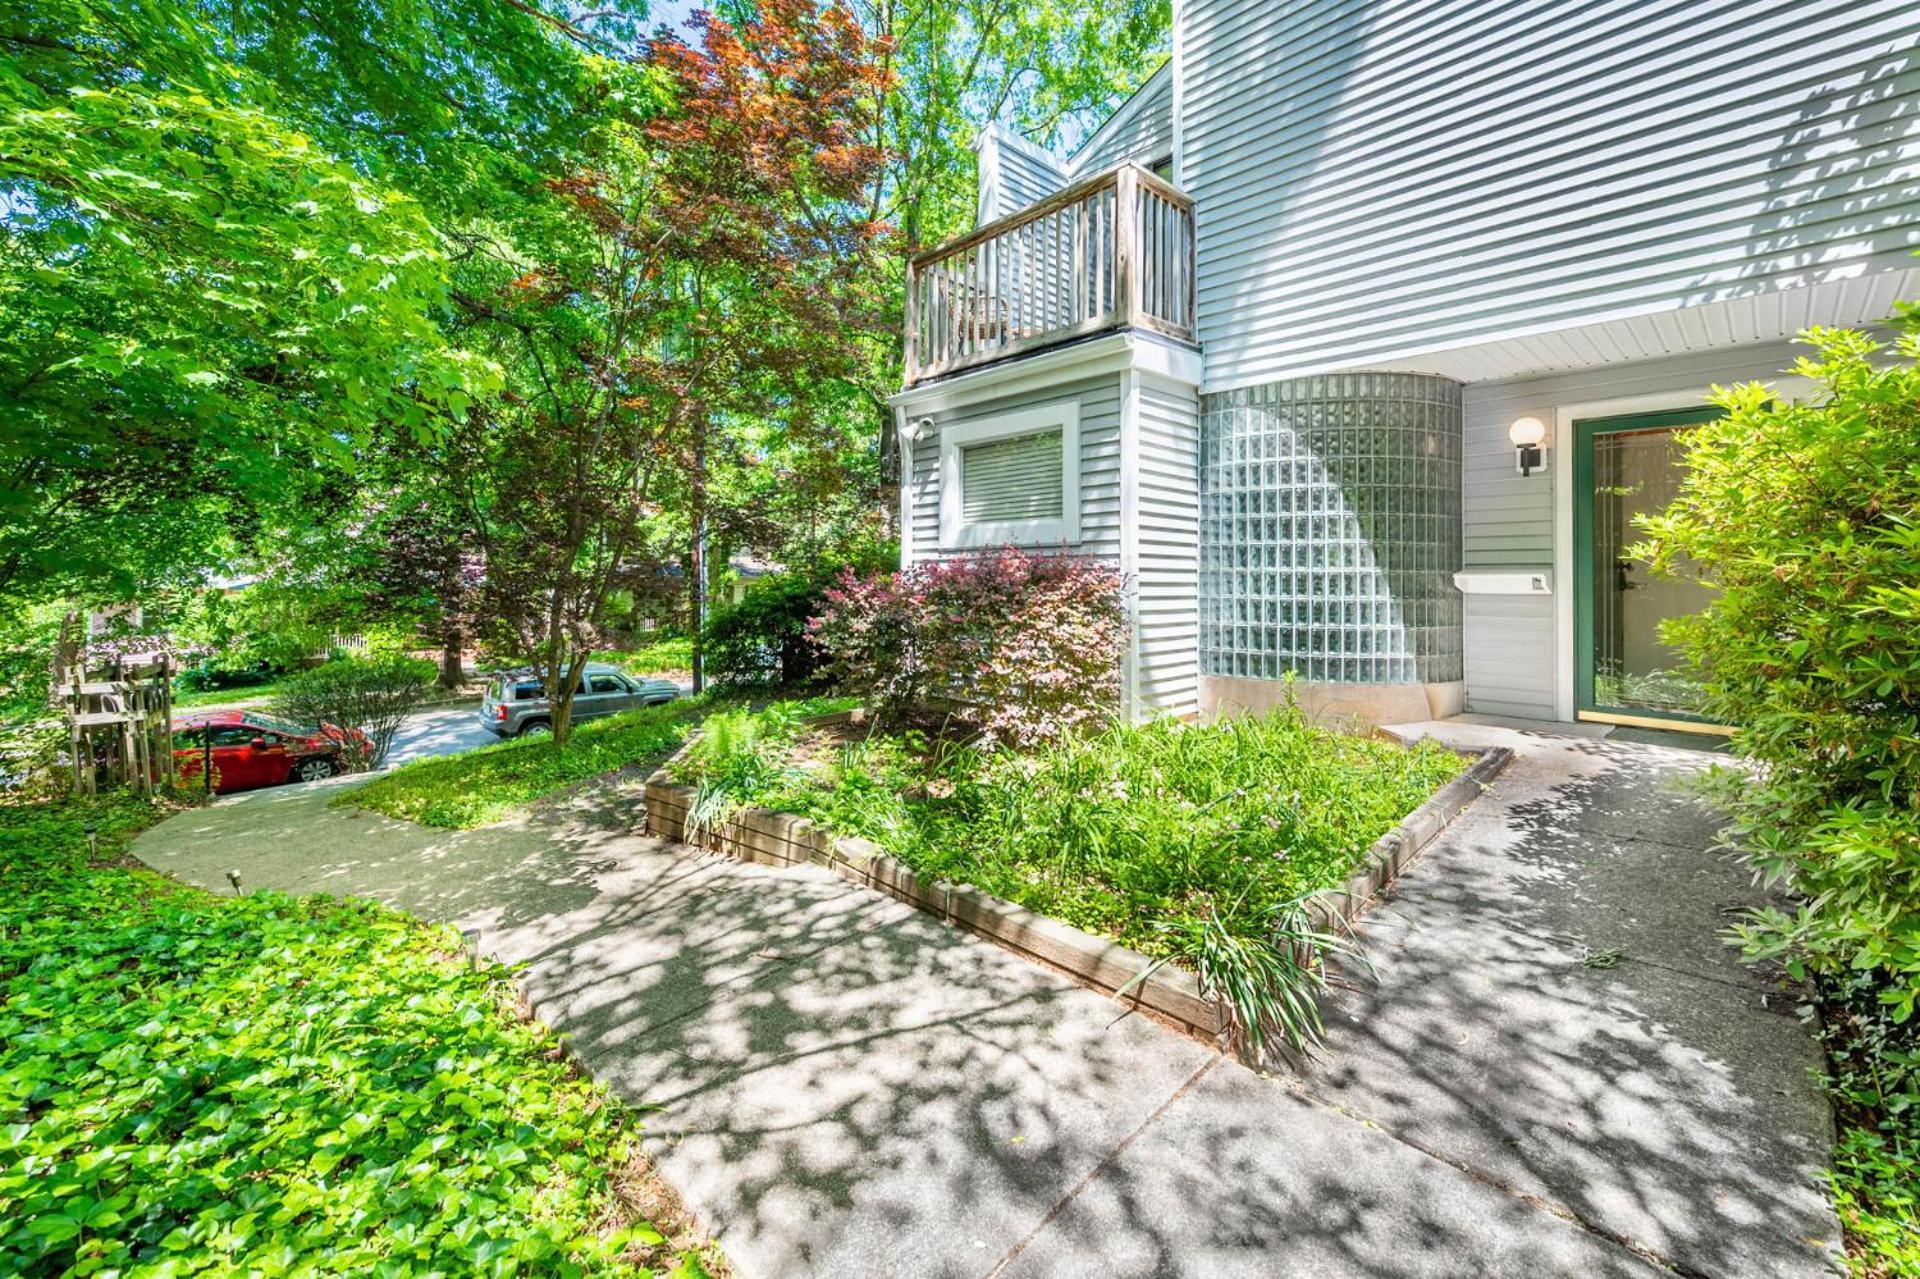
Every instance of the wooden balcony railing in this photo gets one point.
(1113, 251)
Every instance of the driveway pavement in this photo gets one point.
(442, 730)
(1555, 1071)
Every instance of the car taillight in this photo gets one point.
(500, 711)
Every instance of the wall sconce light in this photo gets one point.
(1527, 435)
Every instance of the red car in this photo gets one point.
(249, 749)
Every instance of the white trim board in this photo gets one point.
(958, 535)
(1130, 536)
(1129, 349)
(1561, 478)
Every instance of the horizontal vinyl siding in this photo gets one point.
(1099, 463)
(1509, 647)
(1013, 175)
(1508, 519)
(1142, 130)
(1168, 551)
(1377, 179)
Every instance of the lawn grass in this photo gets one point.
(664, 657)
(1198, 845)
(226, 696)
(486, 785)
(194, 1084)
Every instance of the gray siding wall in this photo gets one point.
(1099, 465)
(1013, 174)
(1374, 180)
(1167, 554)
(1512, 651)
(1156, 476)
(1141, 130)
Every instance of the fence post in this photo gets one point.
(1126, 221)
(913, 322)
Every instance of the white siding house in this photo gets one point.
(1401, 236)
(1141, 130)
(1013, 173)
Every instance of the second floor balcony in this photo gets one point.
(1113, 251)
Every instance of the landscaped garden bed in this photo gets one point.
(192, 1083)
(1222, 861)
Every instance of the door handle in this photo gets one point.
(1623, 576)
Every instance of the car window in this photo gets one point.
(606, 684)
(233, 735)
(280, 726)
(188, 739)
(528, 692)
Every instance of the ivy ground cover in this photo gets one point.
(265, 1085)
(1195, 845)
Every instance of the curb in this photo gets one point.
(1170, 993)
(1396, 850)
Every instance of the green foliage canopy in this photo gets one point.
(197, 303)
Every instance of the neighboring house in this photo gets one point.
(1283, 387)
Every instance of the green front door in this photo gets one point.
(1624, 673)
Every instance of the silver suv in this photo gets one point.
(516, 704)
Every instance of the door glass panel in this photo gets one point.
(1636, 473)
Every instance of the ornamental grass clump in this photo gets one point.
(1202, 846)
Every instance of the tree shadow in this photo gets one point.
(840, 1085)
(1553, 1006)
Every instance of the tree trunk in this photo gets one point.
(453, 651)
(561, 691)
(453, 636)
(697, 576)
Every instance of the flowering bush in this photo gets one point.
(1024, 648)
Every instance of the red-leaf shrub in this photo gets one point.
(1023, 647)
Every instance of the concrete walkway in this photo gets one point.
(1557, 1071)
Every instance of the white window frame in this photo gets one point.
(957, 534)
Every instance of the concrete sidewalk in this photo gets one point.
(845, 1087)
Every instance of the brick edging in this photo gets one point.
(1396, 850)
(1172, 993)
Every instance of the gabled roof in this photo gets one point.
(1155, 94)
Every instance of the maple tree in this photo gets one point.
(222, 269)
(705, 274)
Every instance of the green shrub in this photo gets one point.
(193, 1084)
(763, 639)
(767, 638)
(1807, 518)
(370, 695)
(668, 655)
(213, 679)
(1196, 845)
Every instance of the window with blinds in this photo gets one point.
(1005, 481)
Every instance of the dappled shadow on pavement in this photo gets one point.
(1552, 1007)
(842, 1086)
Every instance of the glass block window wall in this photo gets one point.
(1330, 530)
